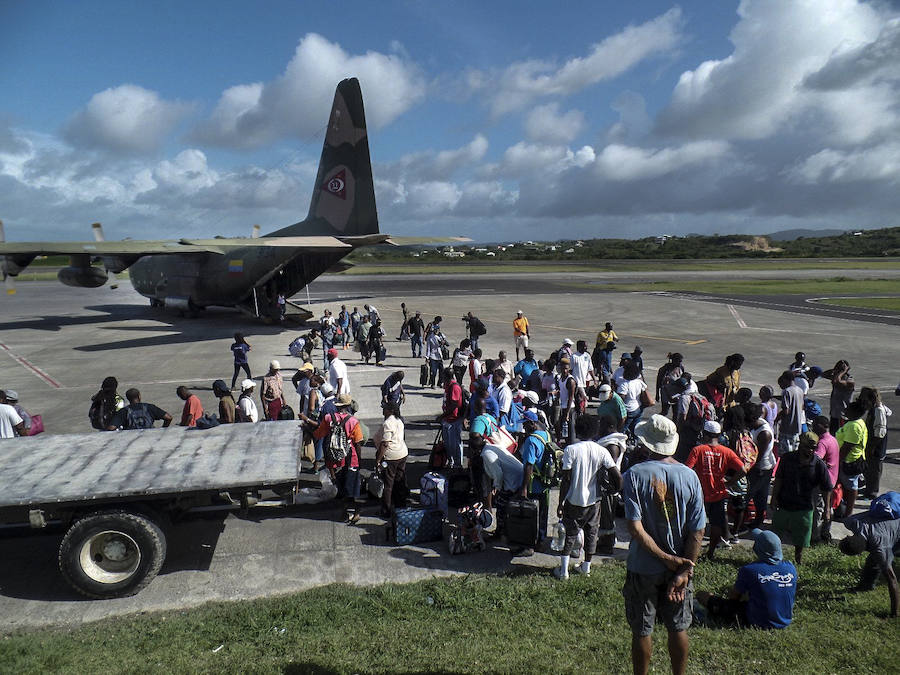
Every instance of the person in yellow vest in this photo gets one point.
(521, 332)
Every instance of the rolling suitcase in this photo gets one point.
(433, 491)
(438, 457)
(522, 521)
(418, 525)
(423, 374)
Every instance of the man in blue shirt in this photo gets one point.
(763, 595)
(666, 519)
(533, 448)
(525, 367)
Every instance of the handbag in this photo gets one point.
(308, 451)
(502, 439)
(37, 425)
(646, 399)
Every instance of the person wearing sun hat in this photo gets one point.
(763, 594)
(666, 520)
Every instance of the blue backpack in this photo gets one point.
(886, 506)
(812, 409)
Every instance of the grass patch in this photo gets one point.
(455, 267)
(892, 304)
(527, 623)
(808, 287)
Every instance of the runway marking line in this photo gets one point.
(737, 317)
(30, 367)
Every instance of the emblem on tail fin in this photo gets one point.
(337, 185)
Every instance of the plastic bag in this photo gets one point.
(317, 495)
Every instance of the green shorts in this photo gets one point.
(797, 523)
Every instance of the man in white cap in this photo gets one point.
(611, 405)
(11, 423)
(12, 398)
(664, 510)
(718, 467)
(521, 332)
(246, 408)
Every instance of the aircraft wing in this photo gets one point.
(160, 247)
(412, 241)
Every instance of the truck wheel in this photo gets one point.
(112, 554)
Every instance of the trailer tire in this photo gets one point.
(112, 554)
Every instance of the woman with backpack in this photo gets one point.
(105, 403)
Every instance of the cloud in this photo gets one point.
(758, 89)
(523, 82)
(873, 61)
(296, 103)
(878, 163)
(125, 120)
(545, 124)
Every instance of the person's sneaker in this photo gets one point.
(560, 573)
(578, 569)
(733, 539)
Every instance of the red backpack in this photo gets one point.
(699, 412)
(746, 449)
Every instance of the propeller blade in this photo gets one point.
(255, 232)
(10, 282)
(98, 232)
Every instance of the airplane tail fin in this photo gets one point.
(343, 200)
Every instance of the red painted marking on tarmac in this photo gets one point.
(21, 360)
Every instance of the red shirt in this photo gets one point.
(453, 399)
(354, 433)
(712, 462)
(192, 411)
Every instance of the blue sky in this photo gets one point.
(490, 120)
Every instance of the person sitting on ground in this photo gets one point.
(193, 408)
(763, 595)
(798, 475)
(246, 408)
(138, 415)
(390, 459)
(717, 467)
(879, 536)
(226, 402)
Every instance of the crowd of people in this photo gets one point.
(710, 458)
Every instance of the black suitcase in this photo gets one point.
(423, 374)
(382, 355)
(459, 489)
(522, 521)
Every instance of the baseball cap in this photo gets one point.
(808, 440)
(333, 353)
(12, 395)
(766, 546)
(604, 389)
(274, 365)
(531, 396)
(530, 416)
(712, 427)
(659, 434)
(247, 384)
(519, 312)
(326, 389)
(306, 367)
(567, 341)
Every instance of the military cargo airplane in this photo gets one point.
(247, 273)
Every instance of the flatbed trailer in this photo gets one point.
(115, 492)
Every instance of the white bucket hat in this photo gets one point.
(659, 434)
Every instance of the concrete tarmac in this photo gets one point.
(58, 343)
